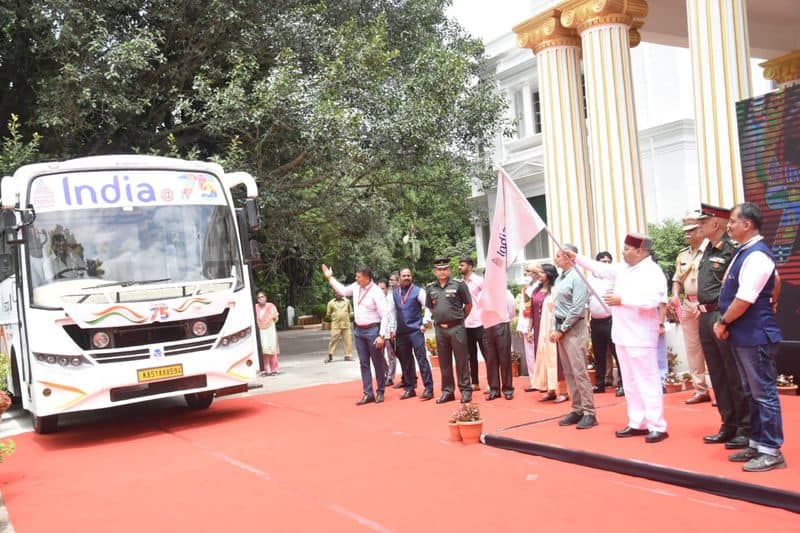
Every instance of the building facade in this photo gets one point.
(623, 112)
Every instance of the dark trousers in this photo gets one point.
(732, 402)
(365, 347)
(406, 342)
(452, 343)
(601, 342)
(474, 340)
(497, 343)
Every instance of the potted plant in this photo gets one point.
(786, 385)
(516, 362)
(430, 344)
(673, 383)
(470, 423)
(452, 425)
(6, 447)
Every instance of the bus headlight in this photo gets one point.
(65, 361)
(233, 338)
(199, 328)
(101, 340)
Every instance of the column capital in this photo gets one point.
(585, 14)
(783, 69)
(545, 31)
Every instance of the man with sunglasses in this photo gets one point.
(450, 302)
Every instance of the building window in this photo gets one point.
(537, 113)
(519, 114)
(537, 247)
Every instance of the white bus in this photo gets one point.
(125, 279)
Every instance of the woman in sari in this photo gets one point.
(266, 316)
(546, 369)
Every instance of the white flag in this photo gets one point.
(514, 224)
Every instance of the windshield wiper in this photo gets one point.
(128, 283)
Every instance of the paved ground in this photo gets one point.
(301, 365)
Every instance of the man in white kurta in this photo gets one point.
(639, 288)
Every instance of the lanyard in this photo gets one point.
(404, 299)
(364, 293)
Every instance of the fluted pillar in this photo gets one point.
(720, 54)
(566, 168)
(608, 28)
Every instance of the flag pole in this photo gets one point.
(578, 270)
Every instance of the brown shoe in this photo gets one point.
(698, 397)
(476, 387)
(549, 396)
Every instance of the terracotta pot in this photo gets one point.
(515, 365)
(471, 431)
(688, 385)
(592, 376)
(5, 401)
(790, 390)
(673, 387)
(455, 433)
(435, 361)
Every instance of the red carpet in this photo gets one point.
(309, 459)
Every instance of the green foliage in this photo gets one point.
(7, 447)
(359, 119)
(668, 240)
(5, 369)
(14, 151)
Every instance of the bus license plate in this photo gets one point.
(159, 372)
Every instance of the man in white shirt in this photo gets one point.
(372, 324)
(473, 323)
(639, 289)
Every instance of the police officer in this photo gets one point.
(450, 302)
(685, 280)
(732, 403)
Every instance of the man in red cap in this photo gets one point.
(732, 403)
(639, 288)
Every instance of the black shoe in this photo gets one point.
(737, 443)
(492, 396)
(329, 359)
(410, 393)
(620, 392)
(368, 398)
(400, 385)
(744, 456)
(530, 389)
(466, 397)
(446, 397)
(571, 418)
(719, 438)
(388, 383)
(379, 398)
(426, 395)
(630, 432)
(599, 388)
(586, 422)
(508, 395)
(656, 436)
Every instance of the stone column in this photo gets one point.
(566, 164)
(720, 53)
(608, 28)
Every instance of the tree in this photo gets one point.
(358, 118)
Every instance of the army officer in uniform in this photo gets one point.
(450, 302)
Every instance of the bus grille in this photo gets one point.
(123, 356)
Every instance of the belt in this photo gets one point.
(450, 324)
(368, 326)
(708, 308)
(691, 297)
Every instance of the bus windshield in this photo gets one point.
(129, 245)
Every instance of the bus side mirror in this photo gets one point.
(10, 227)
(6, 266)
(253, 218)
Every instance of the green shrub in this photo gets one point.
(667, 242)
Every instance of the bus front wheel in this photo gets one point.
(45, 424)
(199, 400)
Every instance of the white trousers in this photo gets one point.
(530, 358)
(639, 367)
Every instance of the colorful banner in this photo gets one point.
(124, 188)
